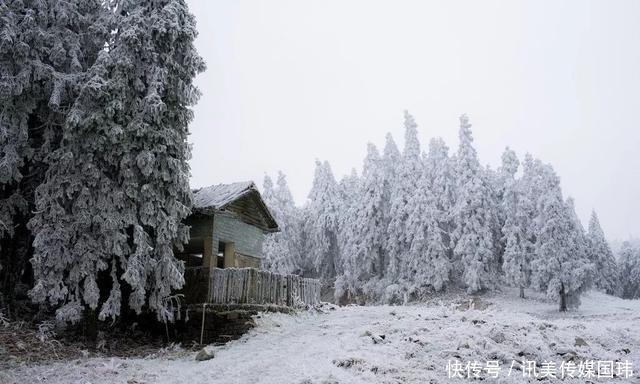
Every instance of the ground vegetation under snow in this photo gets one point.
(387, 344)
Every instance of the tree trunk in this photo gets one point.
(91, 325)
(522, 292)
(563, 299)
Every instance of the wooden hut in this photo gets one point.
(223, 257)
(228, 225)
(224, 283)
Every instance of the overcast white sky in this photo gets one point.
(291, 81)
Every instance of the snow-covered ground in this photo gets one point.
(407, 344)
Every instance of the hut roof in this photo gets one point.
(243, 198)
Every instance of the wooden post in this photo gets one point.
(229, 255)
(208, 262)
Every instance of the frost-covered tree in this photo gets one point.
(274, 248)
(364, 228)
(560, 268)
(370, 231)
(579, 250)
(292, 217)
(46, 48)
(472, 217)
(409, 169)
(346, 283)
(517, 256)
(321, 224)
(439, 173)
(629, 271)
(495, 195)
(349, 189)
(427, 265)
(281, 250)
(349, 196)
(602, 257)
(429, 259)
(117, 189)
(390, 160)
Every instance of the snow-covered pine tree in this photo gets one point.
(629, 271)
(46, 48)
(517, 258)
(349, 187)
(602, 257)
(321, 225)
(580, 252)
(560, 268)
(292, 216)
(495, 186)
(439, 172)
(390, 160)
(346, 282)
(429, 259)
(274, 249)
(282, 249)
(531, 191)
(117, 190)
(364, 229)
(472, 217)
(427, 264)
(409, 169)
(349, 190)
(370, 229)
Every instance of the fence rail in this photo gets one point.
(253, 286)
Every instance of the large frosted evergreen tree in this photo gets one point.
(427, 265)
(602, 257)
(349, 189)
(472, 217)
(517, 256)
(274, 250)
(364, 228)
(281, 250)
(560, 268)
(439, 173)
(629, 271)
(390, 160)
(292, 218)
(346, 282)
(117, 189)
(46, 48)
(409, 169)
(321, 224)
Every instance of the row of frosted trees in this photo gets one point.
(417, 222)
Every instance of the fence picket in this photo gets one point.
(252, 286)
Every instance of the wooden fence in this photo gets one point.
(253, 286)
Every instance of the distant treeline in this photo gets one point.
(417, 222)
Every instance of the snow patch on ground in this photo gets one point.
(384, 344)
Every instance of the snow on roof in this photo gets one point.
(219, 195)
